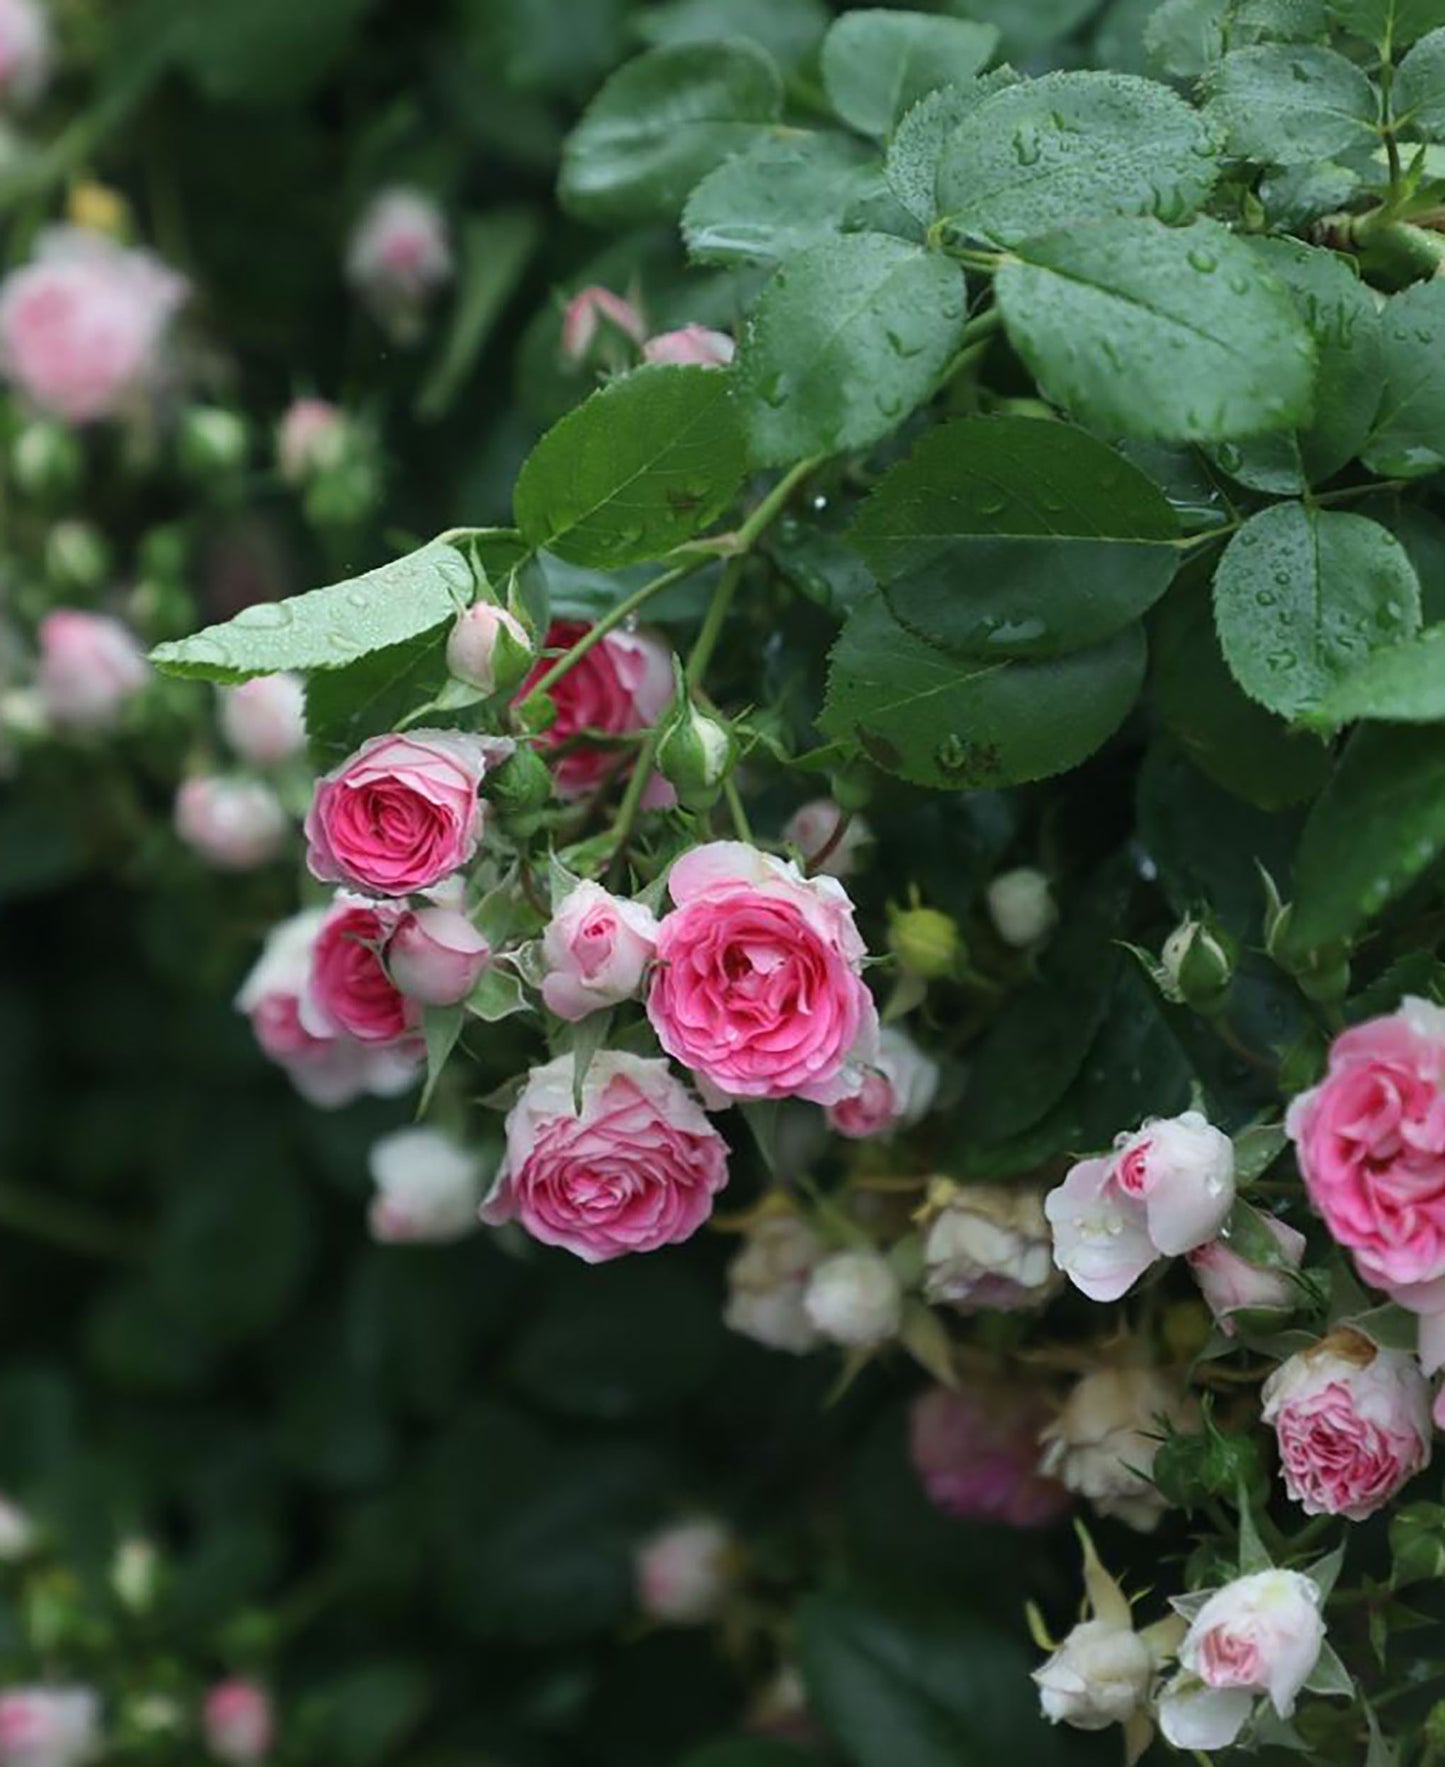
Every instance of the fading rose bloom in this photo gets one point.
(855, 1299)
(233, 824)
(1231, 1284)
(311, 438)
(399, 256)
(49, 1726)
(1103, 1442)
(596, 948)
(813, 829)
(586, 312)
(767, 1280)
(1100, 1675)
(897, 1091)
(24, 51)
(264, 719)
(1352, 1422)
(691, 346)
(758, 985)
(976, 1452)
(989, 1247)
(1182, 1170)
(17, 1533)
(1021, 906)
(1261, 1634)
(90, 666)
(436, 956)
(428, 1188)
(685, 1573)
(348, 992)
(81, 324)
(401, 813)
(1101, 1237)
(238, 1721)
(622, 685)
(637, 1168)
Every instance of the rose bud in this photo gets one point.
(976, 1452)
(90, 665)
(398, 257)
(1021, 906)
(596, 947)
(926, 942)
(1100, 1675)
(428, 1188)
(855, 1299)
(135, 1574)
(233, 824)
(897, 1091)
(767, 1280)
(313, 437)
(17, 1533)
(1352, 1421)
(686, 1572)
(520, 789)
(691, 346)
(49, 1726)
(621, 686)
(1261, 1634)
(76, 556)
(591, 309)
(1197, 965)
(1103, 1442)
(436, 956)
(46, 457)
(24, 51)
(1230, 1284)
(695, 755)
(214, 442)
(264, 719)
(489, 648)
(989, 1247)
(828, 838)
(239, 1723)
(1182, 1170)
(1101, 1237)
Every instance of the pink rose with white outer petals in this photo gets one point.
(758, 985)
(90, 665)
(976, 1452)
(829, 840)
(596, 948)
(1101, 1237)
(896, 1093)
(1352, 1421)
(585, 313)
(401, 813)
(1182, 1170)
(49, 1726)
(1261, 1634)
(436, 956)
(24, 50)
(623, 684)
(239, 1722)
(233, 824)
(635, 1169)
(1231, 1284)
(693, 346)
(349, 992)
(264, 719)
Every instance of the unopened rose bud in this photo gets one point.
(489, 649)
(767, 1281)
(398, 258)
(685, 1573)
(47, 459)
(597, 310)
(264, 719)
(49, 1726)
(925, 941)
(520, 789)
(695, 756)
(76, 556)
(1100, 1675)
(436, 956)
(17, 1533)
(1198, 963)
(313, 437)
(428, 1188)
(239, 1723)
(691, 346)
(214, 442)
(90, 666)
(830, 839)
(597, 947)
(233, 824)
(135, 1574)
(897, 1090)
(1230, 1284)
(1021, 906)
(855, 1299)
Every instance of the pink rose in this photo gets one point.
(976, 1452)
(24, 50)
(349, 991)
(238, 1721)
(488, 648)
(90, 665)
(1352, 1421)
(399, 255)
(428, 1188)
(1101, 1236)
(635, 1169)
(828, 838)
(896, 1093)
(310, 439)
(81, 323)
(1231, 1284)
(692, 346)
(264, 719)
(436, 956)
(685, 1572)
(758, 985)
(233, 824)
(1182, 1170)
(596, 948)
(623, 684)
(1371, 1145)
(585, 313)
(399, 814)
(48, 1726)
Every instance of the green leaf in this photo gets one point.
(1007, 536)
(939, 720)
(847, 338)
(1028, 28)
(1403, 685)
(1407, 438)
(495, 250)
(790, 30)
(1376, 827)
(1074, 147)
(364, 1715)
(663, 121)
(1286, 105)
(1420, 88)
(876, 64)
(498, 995)
(329, 628)
(782, 195)
(1401, 21)
(755, 1751)
(259, 52)
(918, 141)
(345, 706)
(645, 463)
(1302, 596)
(1184, 38)
(441, 1026)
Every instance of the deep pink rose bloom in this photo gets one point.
(622, 685)
(977, 1453)
(637, 1169)
(239, 1723)
(400, 814)
(90, 665)
(758, 985)
(349, 990)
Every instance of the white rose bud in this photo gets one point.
(1103, 1442)
(767, 1281)
(854, 1298)
(17, 1533)
(989, 1246)
(1021, 906)
(684, 1573)
(1098, 1676)
(428, 1188)
(488, 648)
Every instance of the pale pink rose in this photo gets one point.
(81, 324)
(1352, 1421)
(239, 1722)
(596, 948)
(436, 956)
(264, 719)
(685, 1572)
(1231, 1284)
(586, 311)
(399, 255)
(24, 50)
(348, 992)
(1182, 1170)
(1261, 1634)
(897, 1091)
(311, 438)
(622, 685)
(233, 824)
(484, 641)
(49, 1726)
(1371, 1145)
(830, 841)
(976, 1452)
(691, 346)
(758, 985)
(1101, 1236)
(635, 1169)
(427, 1188)
(768, 1280)
(400, 814)
(89, 666)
